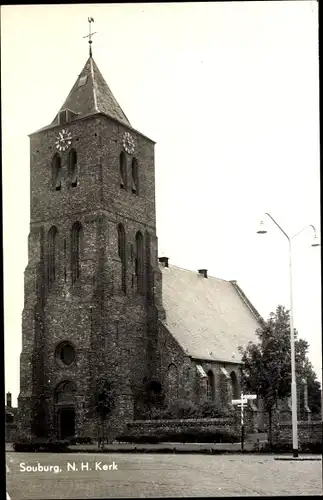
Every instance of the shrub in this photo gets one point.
(24, 442)
(177, 410)
(29, 444)
(136, 439)
(191, 435)
(196, 435)
(182, 409)
(54, 445)
(81, 440)
(209, 410)
(315, 447)
(24, 446)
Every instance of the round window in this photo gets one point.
(65, 353)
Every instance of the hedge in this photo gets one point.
(40, 444)
(191, 435)
(311, 447)
(182, 409)
(81, 440)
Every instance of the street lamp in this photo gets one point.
(315, 243)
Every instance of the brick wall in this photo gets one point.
(112, 333)
(307, 432)
(191, 386)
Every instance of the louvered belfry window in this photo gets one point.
(72, 167)
(123, 171)
(134, 177)
(122, 255)
(56, 172)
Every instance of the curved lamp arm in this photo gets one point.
(299, 232)
(279, 226)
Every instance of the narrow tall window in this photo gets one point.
(139, 262)
(123, 171)
(234, 385)
(76, 251)
(134, 176)
(56, 172)
(210, 386)
(52, 238)
(122, 255)
(72, 167)
(65, 272)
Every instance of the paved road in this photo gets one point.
(158, 475)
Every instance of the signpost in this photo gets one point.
(240, 403)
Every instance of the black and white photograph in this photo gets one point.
(161, 250)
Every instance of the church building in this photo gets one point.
(99, 301)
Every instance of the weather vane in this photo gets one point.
(91, 20)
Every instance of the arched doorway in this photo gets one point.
(65, 409)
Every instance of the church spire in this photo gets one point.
(89, 36)
(91, 94)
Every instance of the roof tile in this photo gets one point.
(94, 95)
(207, 316)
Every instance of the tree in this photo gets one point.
(314, 397)
(104, 402)
(266, 369)
(305, 371)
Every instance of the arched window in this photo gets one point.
(122, 255)
(172, 382)
(210, 386)
(72, 167)
(56, 172)
(234, 385)
(52, 239)
(134, 176)
(65, 392)
(139, 262)
(76, 236)
(123, 171)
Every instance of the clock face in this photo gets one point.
(128, 143)
(63, 140)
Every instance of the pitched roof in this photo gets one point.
(209, 317)
(90, 93)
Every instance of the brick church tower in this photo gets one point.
(92, 283)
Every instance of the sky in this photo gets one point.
(229, 92)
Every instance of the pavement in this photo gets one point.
(129, 475)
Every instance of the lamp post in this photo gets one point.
(315, 243)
